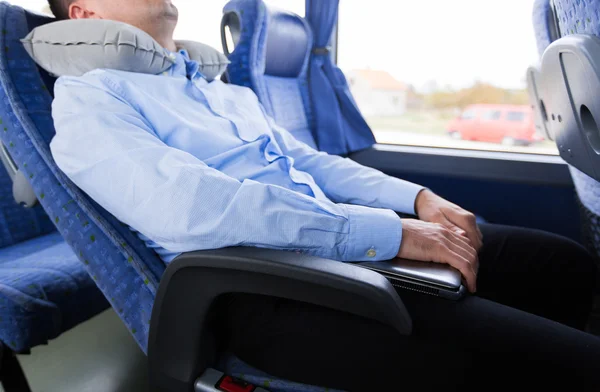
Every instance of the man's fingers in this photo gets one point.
(466, 251)
(460, 263)
(435, 242)
(460, 236)
(468, 222)
(457, 236)
(451, 226)
(458, 231)
(457, 245)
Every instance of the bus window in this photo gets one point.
(440, 61)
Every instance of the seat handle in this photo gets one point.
(22, 191)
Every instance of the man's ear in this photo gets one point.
(79, 10)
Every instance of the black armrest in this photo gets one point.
(181, 342)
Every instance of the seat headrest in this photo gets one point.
(34, 20)
(75, 47)
(569, 82)
(538, 103)
(288, 44)
(545, 24)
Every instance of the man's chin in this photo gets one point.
(171, 11)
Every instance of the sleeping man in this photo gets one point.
(193, 165)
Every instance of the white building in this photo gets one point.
(377, 93)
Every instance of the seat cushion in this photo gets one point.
(44, 291)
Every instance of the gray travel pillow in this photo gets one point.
(74, 47)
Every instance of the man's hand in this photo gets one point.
(432, 208)
(423, 241)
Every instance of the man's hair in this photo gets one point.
(60, 8)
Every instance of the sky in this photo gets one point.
(461, 42)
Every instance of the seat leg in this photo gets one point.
(12, 376)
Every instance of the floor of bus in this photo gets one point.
(101, 356)
(97, 356)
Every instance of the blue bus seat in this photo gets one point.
(544, 25)
(545, 33)
(583, 18)
(126, 271)
(110, 254)
(271, 54)
(553, 20)
(44, 290)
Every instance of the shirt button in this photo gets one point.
(372, 253)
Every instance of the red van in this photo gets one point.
(507, 124)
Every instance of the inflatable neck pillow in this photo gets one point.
(75, 47)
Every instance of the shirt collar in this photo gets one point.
(183, 65)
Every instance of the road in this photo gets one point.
(391, 136)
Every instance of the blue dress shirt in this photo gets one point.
(193, 165)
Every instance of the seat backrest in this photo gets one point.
(17, 223)
(271, 55)
(554, 19)
(546, 32)
(544, 24)
(124, 269)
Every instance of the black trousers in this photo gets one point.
(522, 329)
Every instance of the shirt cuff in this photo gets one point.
(374, 234)
(400, 195)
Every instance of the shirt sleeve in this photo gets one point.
(345, 181)
(108, 149)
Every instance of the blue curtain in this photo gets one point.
(339, 126)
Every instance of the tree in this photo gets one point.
(442, 99)
(478, 93)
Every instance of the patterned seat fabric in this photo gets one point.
(119, 263)
(583, 17)
(591, 236)
(271, 57)
(44, 290)
(16, 222)
(588, 191)
(543, 23)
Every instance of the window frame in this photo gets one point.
(497, 166)
(540, 158)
